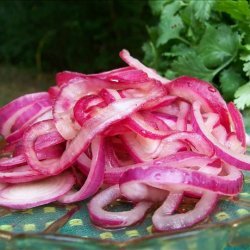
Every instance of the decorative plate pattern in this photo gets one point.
(69, 227)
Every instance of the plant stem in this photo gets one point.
(224, 65)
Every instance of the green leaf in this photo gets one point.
(170, 74)
(170, 24)
(178, 50)
(191, 64)
(153, 33)
(157, 5)
(202, 9)
(230, 81)
(195, 28)
(239, 10)
(245, 56)
(149, 53)
(246, 68)
(242, 96)
(218, 45)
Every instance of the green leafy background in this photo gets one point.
(205, 39)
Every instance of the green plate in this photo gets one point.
(55, 226)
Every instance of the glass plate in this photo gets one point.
(55, 226)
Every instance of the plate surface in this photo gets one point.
(69, 227)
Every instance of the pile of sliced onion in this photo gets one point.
(140, 137)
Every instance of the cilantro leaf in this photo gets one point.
(242, 96)
(191, 64)
(150, 54)
(246, 67)
(245, 56)
(207, 39)
(170, 24)
(178, 50)
(218, 45)
(239, 10)
(230, 80)
(202, 9)
(157, 5)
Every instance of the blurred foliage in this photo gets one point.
(85, 35)
(207, 39)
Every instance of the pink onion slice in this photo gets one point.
(66, 100)
(65, 77)
(167, 208)
(164, 221)
(166, 177)
(136, 192)
(182, 120)
(125, 74)
(95, 176)
(48, 139)
(192, 89)
(114, 112)
(107, 219)
(53, 92)
(162, 102)
(47, 153)
(133, 62)
(2, 186)
(239, 160)
(138, 124)
(84, 105)
(196, 141)
(238, 123)
(183, 159)
(212, 121)
(8, 163)
(73, 91)
(247, 140)
(111, 159)
(20, 175)
(27, 195)
(11, 109)
(83, 163)
(144, 149)
(17, 135)
(31, 113)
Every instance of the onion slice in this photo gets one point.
(95, 176)
(131, 61)
(32, 194)
(239, 160)
(136, 192)
(238, 123)
(165, 177)
(108, 219)
(192, 89)
(180, 159)
(164, 221)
